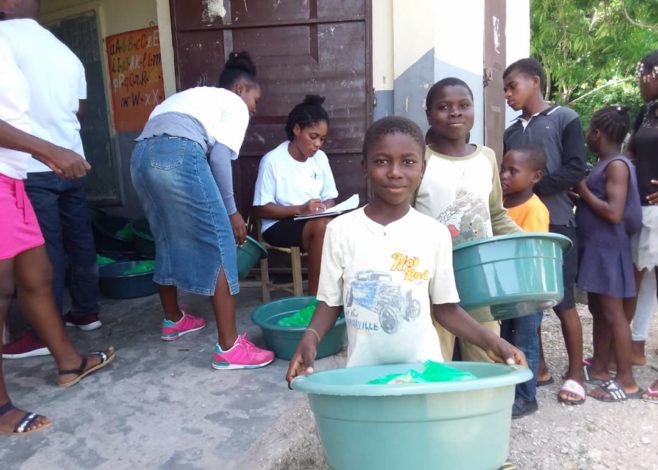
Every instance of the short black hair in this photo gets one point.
(613, 121)
(306, 113)
(392, 125)
(534, 154)
(440, 85)
(239, 66)
(530, 67)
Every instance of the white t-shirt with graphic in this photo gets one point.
(456, 192)
(386, 278)
(284, 181)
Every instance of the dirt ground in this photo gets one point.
(594, 435)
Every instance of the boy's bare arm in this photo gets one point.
(324, 318)
(453, 318)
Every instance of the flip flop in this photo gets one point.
(591, 380)
(548, 381)
(22, 427)
(573, 387)
(650, 395)
(82, 371)
(616, 393)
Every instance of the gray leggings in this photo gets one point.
(647, 304)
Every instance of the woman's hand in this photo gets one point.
(66, 163)
(239, 228)
(304, 358)
(313, 206)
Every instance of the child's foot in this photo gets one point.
(89, 364)
(16, 421)
(651, 394)
(187, 324)
(595, 378)
(243, 355)
(612, 391)
(544, 379)
(571, 393)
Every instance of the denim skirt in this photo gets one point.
(192, 231)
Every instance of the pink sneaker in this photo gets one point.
(187, 324)
(243, 355)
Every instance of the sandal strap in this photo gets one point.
(26, 422)
(101, 354)
(6, 408)
(78, 371)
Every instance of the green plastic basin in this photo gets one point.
(283, 340)
(248, 255)
(515, 274)
(116, 284)
(108, 236)
(464, 424)
(144, 242)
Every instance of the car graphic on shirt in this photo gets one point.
(376, 291)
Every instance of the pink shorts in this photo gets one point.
(18, 225)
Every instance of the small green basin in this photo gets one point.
(283, 340)
(514, 274)
(248, 255)
(463, 424)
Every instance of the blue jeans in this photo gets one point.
(522, 333)
(192, 231)
(61, 209)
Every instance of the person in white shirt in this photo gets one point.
(295, 179)
(24, 263)
(58, 90)
(390, 268)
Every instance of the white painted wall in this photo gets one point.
(459, 50)
(517, 32)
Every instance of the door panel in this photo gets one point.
(299, 47)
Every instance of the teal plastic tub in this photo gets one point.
(248, 255)
(283, 340)
(115, 283)
(113, 234)
(464, 424)
(144, 242)
(514, 274)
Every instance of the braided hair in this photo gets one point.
(305, 114)
(613, 121)
(239, 66)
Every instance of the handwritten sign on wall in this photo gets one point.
(135, 65)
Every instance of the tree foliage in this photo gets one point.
(590, 48)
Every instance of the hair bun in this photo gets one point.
(314, 100)
(241, 61)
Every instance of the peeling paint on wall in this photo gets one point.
(213, 9)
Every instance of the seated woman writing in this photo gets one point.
(295, 178)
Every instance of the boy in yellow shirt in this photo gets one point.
(520, 170)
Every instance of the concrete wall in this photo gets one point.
(414, 47)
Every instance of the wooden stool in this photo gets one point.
(296, 287)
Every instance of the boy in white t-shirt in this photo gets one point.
(380, 263)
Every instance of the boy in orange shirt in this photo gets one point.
(521, 169)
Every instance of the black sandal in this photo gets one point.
(24, 424)
(82, 371)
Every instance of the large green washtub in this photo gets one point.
(283, 340)
(456, 425)
(514, 274)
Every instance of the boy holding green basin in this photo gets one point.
(390, 268)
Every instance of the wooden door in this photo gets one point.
(494, 66)
(299, 47)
